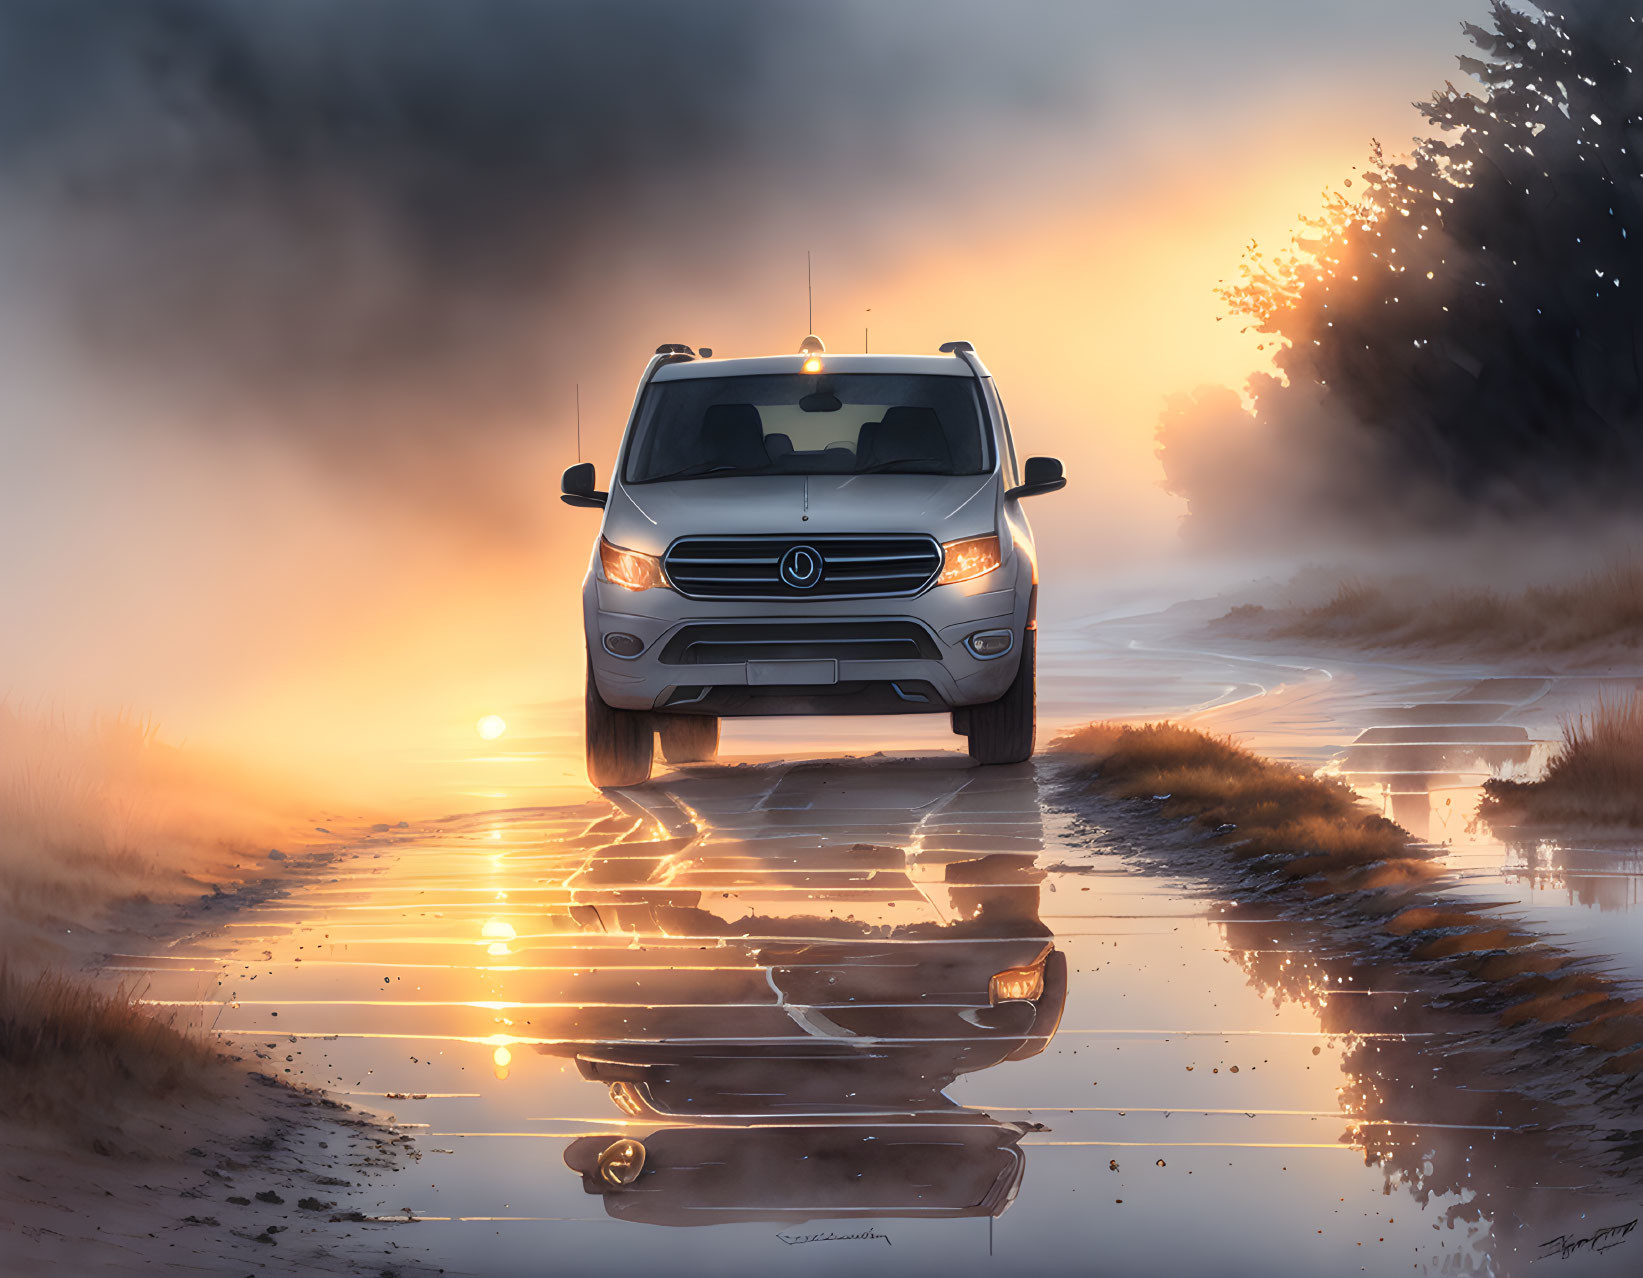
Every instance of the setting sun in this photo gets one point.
(492, 726)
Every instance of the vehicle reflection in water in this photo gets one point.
(863, 958)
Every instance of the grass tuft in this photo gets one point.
(100, 811)
(1316, 828)
(77, 1058)
(96, 814)
(1594, 779)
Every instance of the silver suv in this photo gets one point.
(810, 534)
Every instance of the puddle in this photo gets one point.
(882, 1012)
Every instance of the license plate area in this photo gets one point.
(779, 673)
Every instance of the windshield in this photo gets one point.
(808, 424)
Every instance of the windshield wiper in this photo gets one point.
(704, 468)
(877, 467)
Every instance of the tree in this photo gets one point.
(1463, 333)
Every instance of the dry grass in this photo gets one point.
(1603, 609)
(1307, 845)
(1315, 828)
(95, 815)
(78, 1059)
(1594, 779)
(97, 812)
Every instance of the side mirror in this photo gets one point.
(1039, 475)
(576, 489)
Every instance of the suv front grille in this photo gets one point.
(850, 567)
(722, 643)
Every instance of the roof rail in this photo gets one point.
(955, 348)
(675, 352)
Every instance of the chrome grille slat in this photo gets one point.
(685, 559)
(749, 567)
(712, 643)
(732, 581)
(882, 576)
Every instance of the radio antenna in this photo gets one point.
(809, 294)
(864, 330)
(578, 423)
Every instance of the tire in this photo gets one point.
(1002, 731)
(619, 743)
(689, 738)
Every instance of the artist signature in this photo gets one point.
(1564, 1246)
(871, 1235)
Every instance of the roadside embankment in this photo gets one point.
(1306, 847)
(130, 1139)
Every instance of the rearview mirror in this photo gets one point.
(576, 488)
(1039, 475)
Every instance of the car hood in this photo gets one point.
(649, 516)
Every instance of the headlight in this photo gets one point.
(1017, 984)
(972, 557)
(632, 569)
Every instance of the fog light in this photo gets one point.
(987, 644)
(620, 644)
(621, 1163)
(1017, 984)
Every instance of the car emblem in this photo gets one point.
(801, 567)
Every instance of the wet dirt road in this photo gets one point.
(895, 1013)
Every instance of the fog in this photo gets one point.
(294, 299)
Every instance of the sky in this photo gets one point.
(294, 300)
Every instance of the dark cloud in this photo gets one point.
(346, 209)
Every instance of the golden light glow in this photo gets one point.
(1017, 984)
(812, 365)
(631, 569)
(492, 726)
(621, 1163)
(499, 932)
(626, 1098)
(973, 557)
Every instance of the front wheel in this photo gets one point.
(689, 738)
(1002, 731)
(619, 743)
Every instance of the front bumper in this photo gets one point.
(942, 675)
